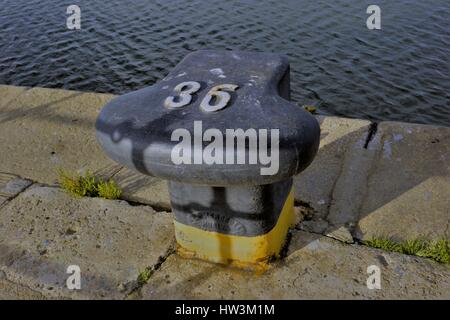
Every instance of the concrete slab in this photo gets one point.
(13, 291)
(398, 185)
(315, 186)
(42, 130)
(8, 94)
(10, 186)
(316, 267)
(408, 190)
(44, 231)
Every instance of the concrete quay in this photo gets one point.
(368, 180)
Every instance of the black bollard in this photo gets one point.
(221, 129)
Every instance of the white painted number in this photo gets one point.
(221, 97)
(184, 91)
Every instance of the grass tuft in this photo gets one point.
(437, 250)
(383, 243)
(144, 276)
(109, 190)
(413, 247)
(88, 186)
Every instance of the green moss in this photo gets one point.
(88, 186)
(437, 250)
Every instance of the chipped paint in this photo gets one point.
(235, 56)
(217, 71)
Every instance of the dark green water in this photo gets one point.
(398, 73)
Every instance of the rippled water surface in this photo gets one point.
(398, 73)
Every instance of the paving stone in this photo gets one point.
(45, 230)
(10, 186)
(13, 291)
(316, 267)
(8, 94)
(43, 130)
(408, 190)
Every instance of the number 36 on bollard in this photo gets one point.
(186, 89)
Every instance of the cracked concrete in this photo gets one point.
(10, 186)
(317, 183)
(45, 230)
(408, 188)
(368, 179)
(151, 270)
(334, 185)
(316, 267)
(350, 188)
(380, 190)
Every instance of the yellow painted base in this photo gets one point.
(240, 251)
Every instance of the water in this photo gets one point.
(398, 73)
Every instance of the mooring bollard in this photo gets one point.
(221, 129)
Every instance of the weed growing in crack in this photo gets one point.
(144, 276)
(437, 250)
(414, 247)
(88, 186)
(383, 243)
(109, 190)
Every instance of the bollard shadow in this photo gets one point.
(107, 172)
(45, 112)
(133, 182)
(374, 146)
(226, 220)
(219, 201)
